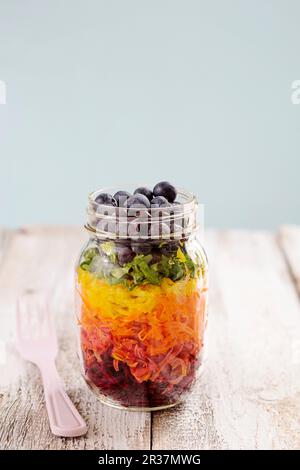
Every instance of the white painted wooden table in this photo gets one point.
(249, 396)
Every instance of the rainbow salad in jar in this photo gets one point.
(141, 287)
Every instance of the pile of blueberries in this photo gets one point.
(145, 214)
(162, 195)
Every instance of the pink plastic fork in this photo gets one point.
(37, 343)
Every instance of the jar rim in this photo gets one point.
(180, 218)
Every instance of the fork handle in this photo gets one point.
(64, 418)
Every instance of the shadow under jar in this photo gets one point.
(141, 296)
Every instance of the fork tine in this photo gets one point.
(51, 326)
(44, 316)
(28, 321)
(46, 321)
(22, 321)
(49, 317)
(42, 311)
(37, 315)
(22, 316)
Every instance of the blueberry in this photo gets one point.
(170, 248)
(125, 254)
(106, 226)
(158, 229)
(138, 228)
(121, 197)
(141, 248)
(156, 256)
(166, 190)
(137, 200)
(137, 205)
(145, 191)
(161, 210)
(106, 199)
(178, 232)
(124, 242)
(158, 201)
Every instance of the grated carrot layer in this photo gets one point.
(157, 331)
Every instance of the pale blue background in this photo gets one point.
(196, 92)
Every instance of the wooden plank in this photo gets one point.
(249, 394)
(44, 257)
(289, 240)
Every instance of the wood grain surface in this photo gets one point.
(249, 394)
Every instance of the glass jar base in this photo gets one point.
(113, 404)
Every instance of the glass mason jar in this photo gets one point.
(141, 296)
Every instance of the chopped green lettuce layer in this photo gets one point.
(102, 262)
